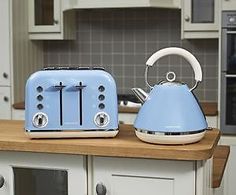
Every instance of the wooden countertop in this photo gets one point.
(220, 158)
(125, 144)
(209, 108)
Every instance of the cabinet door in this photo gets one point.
(212, 121)
(42, 174)
(200, 15)
(5, 43)
(228, 5)
(44, 15)
(5, 103)
(125, 176)
(200, 19)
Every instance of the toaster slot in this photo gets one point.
(60, 88)
(80, 88)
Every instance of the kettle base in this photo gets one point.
(170, 139)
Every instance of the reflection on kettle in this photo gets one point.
(170, 113)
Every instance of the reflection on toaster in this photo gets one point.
(71, 102)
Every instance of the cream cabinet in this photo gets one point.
(228, 5)
(23, 173)
(18, 114)
(98, 4)
(48, 19)
(44, 16)
(200, 19)
(5, 61)
(5, 44)
(212, 121)
(137, 176)
(125, 176)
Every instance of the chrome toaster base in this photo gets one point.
(72, 134)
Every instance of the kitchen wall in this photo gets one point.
(121, 40)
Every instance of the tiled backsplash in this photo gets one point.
(121, 40)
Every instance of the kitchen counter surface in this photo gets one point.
(125, 144)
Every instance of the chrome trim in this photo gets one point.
(169, 133)
(230, 75)
(70, 131)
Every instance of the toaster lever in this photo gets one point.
(80, 86)
(59, 87)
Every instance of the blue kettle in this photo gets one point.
(170, 113)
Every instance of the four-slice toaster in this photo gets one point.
(71, 102)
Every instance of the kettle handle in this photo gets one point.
(176, 51)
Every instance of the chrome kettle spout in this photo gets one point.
(140, 94)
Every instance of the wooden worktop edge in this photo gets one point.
(125, 144)
(220, 158)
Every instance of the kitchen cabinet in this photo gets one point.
(212, 121)
(38, 173)
(5, 44)
(5, 64)
(94, 166)
(61, 174)
(18, 114)
(125, 176)
(228, 5)
(49, 20)
(200, 19)
(90, 4)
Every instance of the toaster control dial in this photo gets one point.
(40, 120)
(101, 119)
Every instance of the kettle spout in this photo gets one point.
(140, 94)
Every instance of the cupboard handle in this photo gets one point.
(1, 181)
(101, 189)
(6, 99)
(187, 18)
(55, 21)
(5, 75)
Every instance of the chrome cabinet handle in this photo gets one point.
(101, 189)
(55, 21)
(187, 18)
(5, 75)
(1, 181)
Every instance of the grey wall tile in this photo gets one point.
(121, 40)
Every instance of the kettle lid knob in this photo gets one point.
(170, 76)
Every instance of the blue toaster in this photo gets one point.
(71, 102)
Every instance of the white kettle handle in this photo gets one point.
(181, 52)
